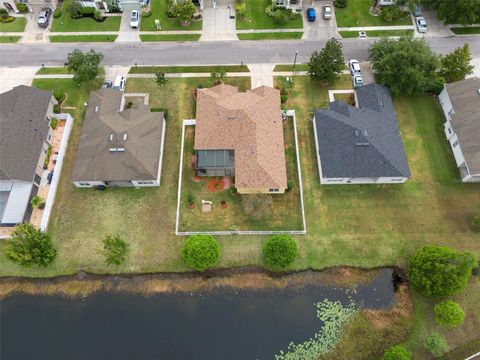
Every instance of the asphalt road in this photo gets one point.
(218, 52)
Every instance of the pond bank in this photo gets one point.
(84, 284)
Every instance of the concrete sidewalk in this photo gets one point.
(261, 74)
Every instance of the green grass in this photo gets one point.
(174, 37)
(9, 39)
(18, 25)
(66, 24)
(159, 9)
(271, 36)
(82, 38)
(357, 14)
(256, 18)
(377, 33)
(286, 209)
(187, 69)
(52, 70)
(466, 31)
(289, 67)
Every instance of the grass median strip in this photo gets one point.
(466, 30)
(9, 39)
(377, 33)
(289, 67)
(58, 70)
(187, 69)
(82, 38)
(170, 37)
(271, 36)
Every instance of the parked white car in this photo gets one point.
(357, 81)
(119, 84)
(421, 24)
(134, 19)
(354, 66)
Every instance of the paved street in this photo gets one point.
(218, 52)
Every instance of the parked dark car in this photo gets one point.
(417, 12)
(44, 17)
(311, 14)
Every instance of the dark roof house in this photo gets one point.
(360, 144)
(119, 147)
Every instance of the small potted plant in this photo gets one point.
(37, 202)
(191, 201)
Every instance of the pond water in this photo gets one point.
(221, 324)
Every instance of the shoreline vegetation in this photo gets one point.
(85, 284)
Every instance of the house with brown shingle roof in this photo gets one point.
(241, 134)
(461, 105)
(119, 147)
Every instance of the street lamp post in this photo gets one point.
(295, 60)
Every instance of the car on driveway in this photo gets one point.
(44, 17)
(417, 11)
(134, 19)
(119, 84)
(106, 84)
(311, 14)
(357, 81)
(354, 66)
(421, 24)
(327, 12)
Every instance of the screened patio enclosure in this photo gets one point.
(215, 163)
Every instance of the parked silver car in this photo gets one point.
(421, 24)
(44, 17)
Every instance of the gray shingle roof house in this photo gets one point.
(119, 147)
(461, 105)
(25, 114)
(360, 145)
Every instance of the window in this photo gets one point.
(449, 130)
(84, 184)
(455, 144)
(144, 182)
(273, 190)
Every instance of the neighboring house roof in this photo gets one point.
(465, 100)
(250, 123)
(24, 128)
(361, 142)
(118, 145)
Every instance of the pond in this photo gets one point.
(219, 324)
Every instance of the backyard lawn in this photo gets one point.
(357, 13)
(285, 213)
(159, 9)
(255, 18)
(18, 25)
(66, 24)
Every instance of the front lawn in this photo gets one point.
(466, 30)
(66, 24)
(255, 17)
(82, 38)
(271, 36)
(377, 33)
(285, 212)
(18, 25)
(159, 9)
(357, 13)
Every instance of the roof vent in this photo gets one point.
(364, 132)
(356, 132)
(232, 117)
(96, 109)
(362, 144)
(121, 149)
(125, 137)
(110, 137)
(112, 150)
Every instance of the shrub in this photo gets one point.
(6, 18)
(87, 11)
(201, 252)
(257, 205)
(440, 271)
(58, 95)
(57, 109)
(30, 246)
(449, 313)
(435, 344)
(240, 9)
(53, 123)
(476, 223)
(3, 11)
(397, 352)
(340, 3)
(146, 13)
(37, 202)
(290, 185)
(279, 251)
(113, 6)
(21, 7)
(390, 13)
(115, 250)
(57, 13)
(97, 16)
(190, 199)
(184, 9)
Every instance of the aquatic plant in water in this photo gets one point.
(334, 316)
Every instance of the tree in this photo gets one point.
(279, 251)
(257, 206)
(397, 352)
(161, 79)
(328, 64)
(435, 344)
(456, 12)
(85, 66)
(440, 271)
(115, 250)
(184, 9)
(449, 313)
(201, 252)
(30, 246)
(406, 65)
(456, 65)
(392, 12)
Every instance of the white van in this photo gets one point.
(119, 83)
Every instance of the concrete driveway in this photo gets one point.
(436, 28)
(217, 24)
(33, 33)
(320, 29)
(127, 34)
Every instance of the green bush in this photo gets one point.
(280, 15)
(57, 109)
(390, 13)
(435, 344)
(6, 19)
(57, 13)
(340, 3)
(30, 246)
(240, 9)
(279, 251)
(87, 11)
(21, 7)
(37, 202)
(397, 352)
(201, 252)
(115, 250)
(440, 271)
(476, 223)
(449, 313)
(53, 123)
(3, 11)
(58, 95)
